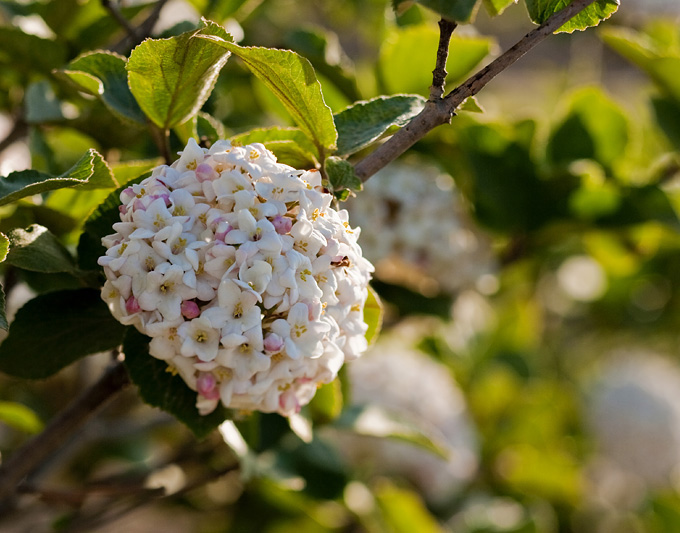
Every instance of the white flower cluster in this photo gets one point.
(385, 378)
(416, 232)
(251, 286)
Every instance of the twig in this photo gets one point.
(120, 19)
(60, 429)
(142, 31)
(446, 28)
(437, 113)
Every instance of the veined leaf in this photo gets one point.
(172, 78)
(365, 122)
(341, 175)
(55, 329)
(36, 249)
(90, 172)
(292, 79)
(542, 10)
(161, 387)
(102, 73)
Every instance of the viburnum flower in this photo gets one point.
(250, 285)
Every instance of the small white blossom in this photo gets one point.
(249, 284)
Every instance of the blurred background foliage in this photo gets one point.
(527, 376)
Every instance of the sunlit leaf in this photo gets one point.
(172, 78)
(542, 10)
(365, 122)
(55, 329)
(162, 387)
(327, 402)
(404, 512)
(292, 79)
(4, 246)
(471, 105)
(373, 315)
(496, 7)
(413, 50)
(20, 417)
(290, 145)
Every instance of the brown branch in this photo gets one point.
(27, 459)
(446, 28)
(440, 112)
(142, 31)
(120, 19)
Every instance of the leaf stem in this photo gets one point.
(28, 458)
(446, 29)
(439, 112)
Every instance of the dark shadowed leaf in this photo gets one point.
(364, 122)
(30, 52)
(172, 78)
(36, 249)
(458, 10)
(55, 329)
(496, 7)
(3, 316)
(341, 175)
(90, 172)
(103, 74)
(292, 79)
(160, 387)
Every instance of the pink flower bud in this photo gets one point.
(127, 195)
(165, 196)
(190, 309)
(206, 384)
(282, 224)
(273, 342)
(222, 230)
(122, 209)
(288, 401)
(205, 172)
(138, 205)
(314, 311)
(132, 305)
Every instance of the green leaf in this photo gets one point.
(90, 172)
(407, 58)
(659, 61)
(269, 136)
(172, 78)
(496, 7)
(4, 246)
(458, 10)
(20, 417)
(471, 105)
(55, 329)
(667, 114)
(159, 387)
(3, 317)
(374, 421)
(41, 103)
(127, 171)
(542, 10)
(30, 52)
(327, 402)
(594, 128)
(341, 175)
(373, 315)
(292, 79)
(36, 249)
(365, 122)
(103, 74)
(403, 511)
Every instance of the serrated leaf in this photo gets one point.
(496, 7)
(36, 249)
(108, 71)
(365, 122)
(55, 329)
(292, 79)
(341, 175)
(161, 388)
(373, 315)
(374, 421)
(3, 316)
(407, 58)
(29, 182)
(4, 246)
(20, 417)
(172, 78)
(542, 10)
(30, 52)
(290, 145)
(471, 105)
(458, 10)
